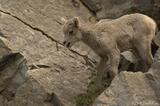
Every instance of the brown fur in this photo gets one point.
(108, 38)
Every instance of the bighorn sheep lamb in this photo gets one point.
(109, 38)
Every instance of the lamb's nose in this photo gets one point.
(68, 44)
(64, 42)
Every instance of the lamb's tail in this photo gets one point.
(156, 39)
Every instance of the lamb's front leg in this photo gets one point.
(114, 58)
(107, 64)
(101, 71)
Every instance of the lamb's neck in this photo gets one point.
(89, 37)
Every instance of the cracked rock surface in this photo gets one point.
(45, 16)
(33, 28)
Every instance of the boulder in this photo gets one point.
(13, 69)
(13, 74)
(129, 89)
(32, 93)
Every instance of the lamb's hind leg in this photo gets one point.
(143, 50)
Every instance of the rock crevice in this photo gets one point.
(86, 58)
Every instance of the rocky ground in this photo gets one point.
(37, 70)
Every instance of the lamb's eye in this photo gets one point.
(70, 24)
(71, 32)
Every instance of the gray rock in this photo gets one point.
(153, 76)
(33, 12)
(157, 56)
(31, 93)
(128, 61)
(128, 89)
(13, 68)
(117, 8)
(129, 56)
(93, 5)
(26, 25)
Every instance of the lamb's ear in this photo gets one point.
(63, 20)
(76, 21)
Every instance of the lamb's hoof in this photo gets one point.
(94, 88)
(150, 76)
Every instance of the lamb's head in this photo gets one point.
(71, 32)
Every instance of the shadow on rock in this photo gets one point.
(12, 74)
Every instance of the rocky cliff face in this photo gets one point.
(33, 28)
(37, 70)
